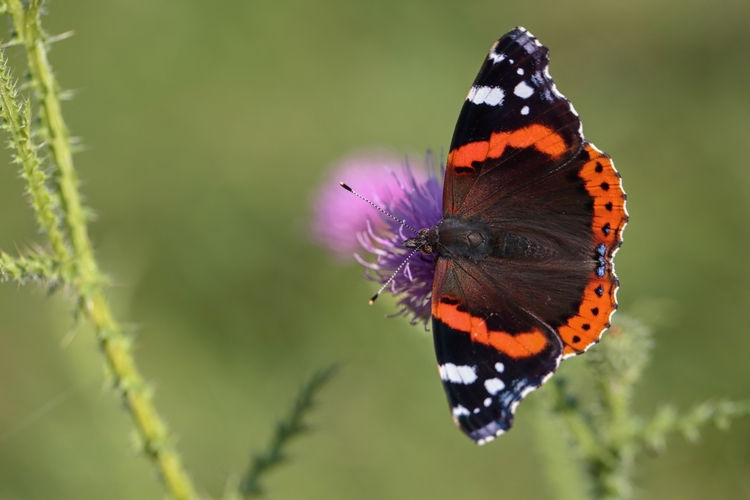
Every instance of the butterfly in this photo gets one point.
(533, 215)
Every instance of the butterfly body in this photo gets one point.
(532, 217)
(456, 238)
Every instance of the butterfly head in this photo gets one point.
(426, 240)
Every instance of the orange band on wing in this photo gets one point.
(610, 217)
(541, 138)
(519, 345)
(603, 184)
(587, 326)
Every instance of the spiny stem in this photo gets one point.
(32, 266)
(86, 278)
(565, 472)
(286, 429)
(17, 124)
(653, 433)
(55, 132)
(578, 425)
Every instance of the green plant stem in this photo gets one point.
(56, 135)
(34, 266)
(17, 124)
(563, 467)
(653, 433)
(87, 280)
(286, 429)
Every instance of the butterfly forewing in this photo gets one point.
(513, 105)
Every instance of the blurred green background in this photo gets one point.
(207, 127)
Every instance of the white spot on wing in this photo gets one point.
(494, 385)
(487, 402)
(495, 58)
(481, 94)
(458, 374)
(499, 367)
(523, 90)
(519, 71)
(492, 96)
(525, 110)
(495, 97)
(489, 438)
(459, 411)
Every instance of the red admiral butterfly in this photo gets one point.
(532, 217)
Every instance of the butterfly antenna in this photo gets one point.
(398, 269)
(402, 222)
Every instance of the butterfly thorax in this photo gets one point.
(454, 238)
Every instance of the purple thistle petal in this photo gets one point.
(415, 196)
(338, 216)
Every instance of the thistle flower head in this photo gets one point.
(413, 195)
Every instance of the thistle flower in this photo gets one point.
(411, 195)
(339, 217)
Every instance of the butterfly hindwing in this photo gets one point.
(488, 361)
